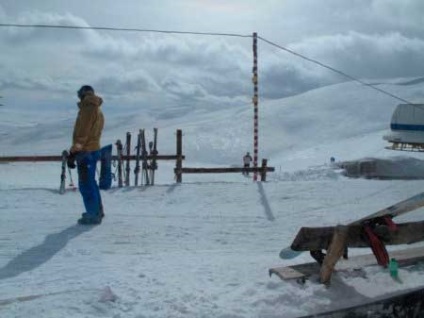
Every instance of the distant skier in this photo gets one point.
(85, 150)
(247, 159)
(333, 163)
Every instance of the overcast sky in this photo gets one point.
(367, 39)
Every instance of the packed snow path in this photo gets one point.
(188, 250)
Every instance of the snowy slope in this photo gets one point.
(202, 248)
(317, 124)
(192, 250)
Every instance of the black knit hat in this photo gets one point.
(83, 90)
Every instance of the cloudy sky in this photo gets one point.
(42, 68)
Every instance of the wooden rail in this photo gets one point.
(224, 170)
(149, 160)
(59, 158)
(262, 170)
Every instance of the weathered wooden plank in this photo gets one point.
(49, 158)
(179, 164)
(30, 158)
(405, 257)
(311, 238)
(224, 170)
(319, 238)
(334, 252)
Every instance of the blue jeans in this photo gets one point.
(86, 163)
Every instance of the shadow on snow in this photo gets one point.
(38, 255)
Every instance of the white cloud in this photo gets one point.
(2, 13)
(25, 36)
(122, 83)
(364, 38)
(368, 55)
(405, 13)
(176, 62)
(292, 21)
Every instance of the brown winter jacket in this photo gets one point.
(88, 125)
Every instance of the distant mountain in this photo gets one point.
(344, 120)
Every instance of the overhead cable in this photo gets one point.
(47, 26)
(334, 70)
(209, 34)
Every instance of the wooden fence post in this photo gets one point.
(263, 171)
(179, 162)
(119, 150)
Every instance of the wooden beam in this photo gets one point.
(224, 170)
(59, 158)
(30, 158)
(264, 169)
(334, 252)
(179, 163)
(320, 238)
(119, 149)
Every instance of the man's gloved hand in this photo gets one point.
(71, 161)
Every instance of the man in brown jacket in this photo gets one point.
(85, 150)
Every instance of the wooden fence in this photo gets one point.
(261, 170)
(148, 161)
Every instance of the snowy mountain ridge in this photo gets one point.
(313, 120)
(201, 248)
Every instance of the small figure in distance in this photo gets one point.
(333, 163)
(247, 159)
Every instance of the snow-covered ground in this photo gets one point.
(201, 248)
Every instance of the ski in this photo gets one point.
(153, 153)
(62, 187)
(145, 171)
(306, 235)
(137, 159)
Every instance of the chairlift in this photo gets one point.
(407, 128)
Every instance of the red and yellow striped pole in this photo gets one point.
(255, 101)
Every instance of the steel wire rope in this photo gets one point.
(214, 34)
(337, 71)
(48, 26)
